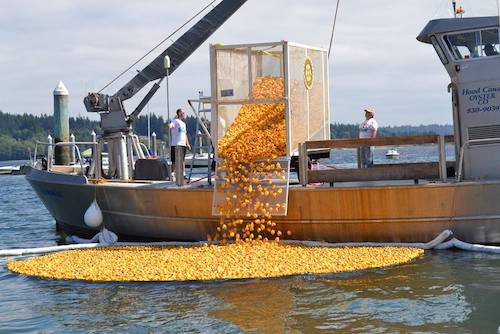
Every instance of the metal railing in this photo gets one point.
(378, 172)
(144, 147)
(209, 147)
(51, 147)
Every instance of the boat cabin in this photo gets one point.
(469, 49)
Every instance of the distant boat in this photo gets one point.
(8, 170)
(13, 170)
(200, 160)
(5, 170)
(392, 153)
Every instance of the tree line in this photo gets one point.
(18, 133)
(339, 130)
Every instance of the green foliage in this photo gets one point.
(18, 133)
(338, 130)
(159, 126)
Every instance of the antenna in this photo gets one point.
(498, 11)
(457, 10)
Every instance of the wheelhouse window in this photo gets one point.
(474, 44)
(439, 50)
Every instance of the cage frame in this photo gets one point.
(285, 72)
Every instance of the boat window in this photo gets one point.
(439, 50)
(474, 44)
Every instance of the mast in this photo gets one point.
(457, 10)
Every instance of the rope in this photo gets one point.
(158, 45)
(198, 180)
(327, 166)
(105, 237)
(333, 28)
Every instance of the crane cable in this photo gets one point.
(158, 45)
(333, 28)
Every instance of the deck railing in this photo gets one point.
(401, 171)
(50, 147)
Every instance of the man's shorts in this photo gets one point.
(172, 153)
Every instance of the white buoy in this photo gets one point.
(93, 215)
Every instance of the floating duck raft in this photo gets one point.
(242, 260)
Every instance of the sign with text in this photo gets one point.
(480, 103)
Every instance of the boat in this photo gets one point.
(5, 170)
(407, 202)
(392, 153)
(198, 160)
(13, 170)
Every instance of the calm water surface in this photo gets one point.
(443, 292)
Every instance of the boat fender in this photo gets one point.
(93, 215)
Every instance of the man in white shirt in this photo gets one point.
(178, 135)
(368, 129)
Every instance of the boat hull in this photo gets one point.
(410, 213)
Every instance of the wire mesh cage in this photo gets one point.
(264, 194)
(266, 99)
(304, 71)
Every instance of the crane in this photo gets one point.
(116, 123)
(114, 118)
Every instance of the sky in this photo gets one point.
(376, 60)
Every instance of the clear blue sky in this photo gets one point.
(376, 58)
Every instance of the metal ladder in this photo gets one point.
(203, 140)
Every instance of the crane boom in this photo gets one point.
(182, 48)
(113, 116)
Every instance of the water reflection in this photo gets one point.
(416, 297)
(444, 292)
(430, 295)
(402, 299)
(136, 307)
(262, 306)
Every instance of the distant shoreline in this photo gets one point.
(18, 133)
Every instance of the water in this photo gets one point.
(443, 292)
(346, 158)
